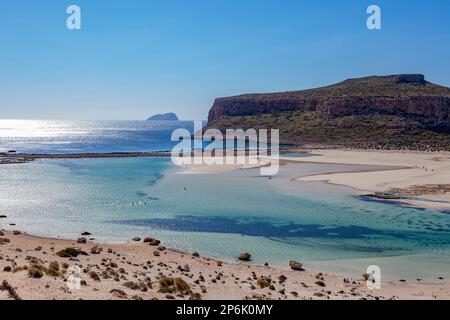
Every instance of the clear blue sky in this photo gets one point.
(135, 58)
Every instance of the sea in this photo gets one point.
(277, 219)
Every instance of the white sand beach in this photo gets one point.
(426, 173)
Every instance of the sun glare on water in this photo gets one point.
(29, 128)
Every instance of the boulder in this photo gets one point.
(96, 250)
(185, 268)
(320, 283)
(152, 241)
(245, 256)
(131, 285)
(136, 239)
(81, 240)
(4, 240)
(295, 265)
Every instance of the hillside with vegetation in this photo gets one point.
(390, 112)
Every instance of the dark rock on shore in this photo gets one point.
(4, 240)
(152, 241)
(295, 265)
(245, 256)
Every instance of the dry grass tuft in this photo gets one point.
(11, 291)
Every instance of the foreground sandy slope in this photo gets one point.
(416, 170)
(132, 271)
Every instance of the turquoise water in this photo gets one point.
(277, 219)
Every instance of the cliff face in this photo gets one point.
(400, 95)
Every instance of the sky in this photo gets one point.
(135, 58)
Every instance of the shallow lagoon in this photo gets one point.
(277, 219)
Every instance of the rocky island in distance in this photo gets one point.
(164, 117)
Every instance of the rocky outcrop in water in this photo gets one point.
(164, 117)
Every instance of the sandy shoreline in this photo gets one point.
(133, 271)
(425, 175)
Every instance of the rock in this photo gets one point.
(86, 233)
(320, 283)
(96, 250)
(136, 239)
(156, 253)
(16, 232)
(1, 234)
(7, 269)
(152, 241)
(295, 265)
(4, 240)
(131, 285)
(170, 297)
(81, 240)
(196, 254)
(161, 248)
(318, 294)
(219, 263)
(245, 256)
(94, 276)
(184, 269)
(3, 216)
(118, 293)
